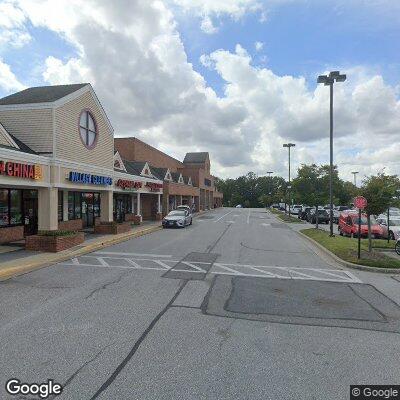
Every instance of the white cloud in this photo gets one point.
(8, 81)
(13, 32)
(258, 46)
(207, 25)
(132, 52)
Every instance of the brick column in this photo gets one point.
(47, 209)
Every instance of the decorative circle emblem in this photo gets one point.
(88, 129)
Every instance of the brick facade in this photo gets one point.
(53, 244)
(11, 234)
(110, 228)
(72, 225)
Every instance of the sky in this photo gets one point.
(236, 78)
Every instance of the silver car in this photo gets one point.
(394, 226)
(177, 219)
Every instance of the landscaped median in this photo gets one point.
(285, 217)
(346, 249)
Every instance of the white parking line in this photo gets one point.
(248, 217)
(224, 215)
(218, 268)
(132, 254)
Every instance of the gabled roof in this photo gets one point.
(159, 172)
(41, 94)
(187, 180)
(196, 158)
(22, 146)
(118, 163)
(134, 167)
(175, 176)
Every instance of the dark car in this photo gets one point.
(323, 216)
(303, 212)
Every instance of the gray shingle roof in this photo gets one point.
(195, 158)
(159, 172)
(41, 94)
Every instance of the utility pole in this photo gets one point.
(329, 80)
(289, 145)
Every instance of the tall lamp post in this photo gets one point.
(329, 80)
(269, 180)
(289, 145)
(355, 179)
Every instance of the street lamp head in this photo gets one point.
(334, 74)
(341, 78)
(322, 79)
(289, 145)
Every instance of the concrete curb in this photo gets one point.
(349, 264)
(39, 261)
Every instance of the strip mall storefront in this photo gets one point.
(21, 184)
(137, 198)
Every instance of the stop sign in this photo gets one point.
(360, 202)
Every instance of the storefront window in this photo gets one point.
(70, 205)
(15, 207)
(77, 205)
(96, 204)
(3, 207)
(60, 205)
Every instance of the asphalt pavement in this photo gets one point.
(236, 306)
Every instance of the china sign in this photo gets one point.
(24, 171)
(89, 179)
(127, 184)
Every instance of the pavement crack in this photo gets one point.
(137, 344)
(211, 247)
(272, 250)
(106, 285)
(225, 334)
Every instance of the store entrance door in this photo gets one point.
(87, 210)
(30, 208)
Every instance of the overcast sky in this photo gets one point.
(236, 78)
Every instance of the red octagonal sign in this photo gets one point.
(360, 202)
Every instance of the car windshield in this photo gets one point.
(364, 220)
(177, 213)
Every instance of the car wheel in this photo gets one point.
(326, 222)
(340, 232)
(191, 221)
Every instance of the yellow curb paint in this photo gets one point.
(45, 261)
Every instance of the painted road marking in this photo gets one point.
(248, 217)
(230, 222)
(224, 216)
(218, 268)
(264, 224)
(132, 254)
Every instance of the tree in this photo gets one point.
(379, 190)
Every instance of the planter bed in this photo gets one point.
(112, 228)
(54, 244)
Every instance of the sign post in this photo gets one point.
(360, 202)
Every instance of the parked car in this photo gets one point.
(177, 219)
(349, 221)
(394, 226)
(295, 209)
(239, 206)
(336, 212)
(184, 207)
(323, 216)
(303, 212)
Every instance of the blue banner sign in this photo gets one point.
(89, 179)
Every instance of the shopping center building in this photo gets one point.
(60, 170)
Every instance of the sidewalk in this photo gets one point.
(22, 261)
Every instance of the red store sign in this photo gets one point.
(154, 187)
(126, 184)
(17, 170)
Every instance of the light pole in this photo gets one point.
(269, 180)
(289, 145)
(355, 179)
(329, 80)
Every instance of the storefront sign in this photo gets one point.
(17, 170)
(126, 184)
(89, 179)
(154, 187)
